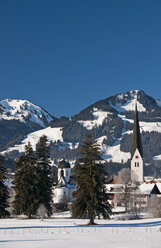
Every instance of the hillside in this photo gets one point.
(110, 121)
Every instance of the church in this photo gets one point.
(65, 187)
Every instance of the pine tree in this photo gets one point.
(25, 184)
(44, 174)
(4, 195)
(90, 197)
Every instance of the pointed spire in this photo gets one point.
(136, 141)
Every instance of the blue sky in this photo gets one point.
(67, 54)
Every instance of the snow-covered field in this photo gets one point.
(62, 233)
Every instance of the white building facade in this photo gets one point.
(137, 166)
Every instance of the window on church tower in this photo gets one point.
(62, 173)
(136, 164)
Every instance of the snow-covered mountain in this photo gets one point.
(23, 111)
(110, 121)
(19, 118)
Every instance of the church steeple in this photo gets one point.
(136, 141)
(137, 150)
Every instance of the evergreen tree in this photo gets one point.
(25, 184)
(44, 174)
(3, 189)
(90, 197)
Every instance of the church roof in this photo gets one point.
(136, 140)
(63, 164)
(150, 188)
(155, 190)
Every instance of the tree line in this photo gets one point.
(32, 182)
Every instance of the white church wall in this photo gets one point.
(61, 194)
(137, 166)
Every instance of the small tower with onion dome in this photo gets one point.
(65, 187)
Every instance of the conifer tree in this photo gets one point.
(25, 184)
(90, 197)
(4, 195)
(44, 174)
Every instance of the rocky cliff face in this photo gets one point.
(110, 121)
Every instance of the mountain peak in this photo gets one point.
(126, 101)
(23, 111)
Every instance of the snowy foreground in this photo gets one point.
(71, 233)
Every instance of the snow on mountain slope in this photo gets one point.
(116, 155)
(122, 104)
(150, 126)
(99, 117)
(129, 105)
(12, 109)
(144, 126)
(53, 134)
(113, 152)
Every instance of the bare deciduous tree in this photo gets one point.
(154, 207)
(41, 211)
(127, 186)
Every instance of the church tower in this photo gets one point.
(137, 150)
(64, 172)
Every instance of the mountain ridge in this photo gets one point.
(110, 121)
